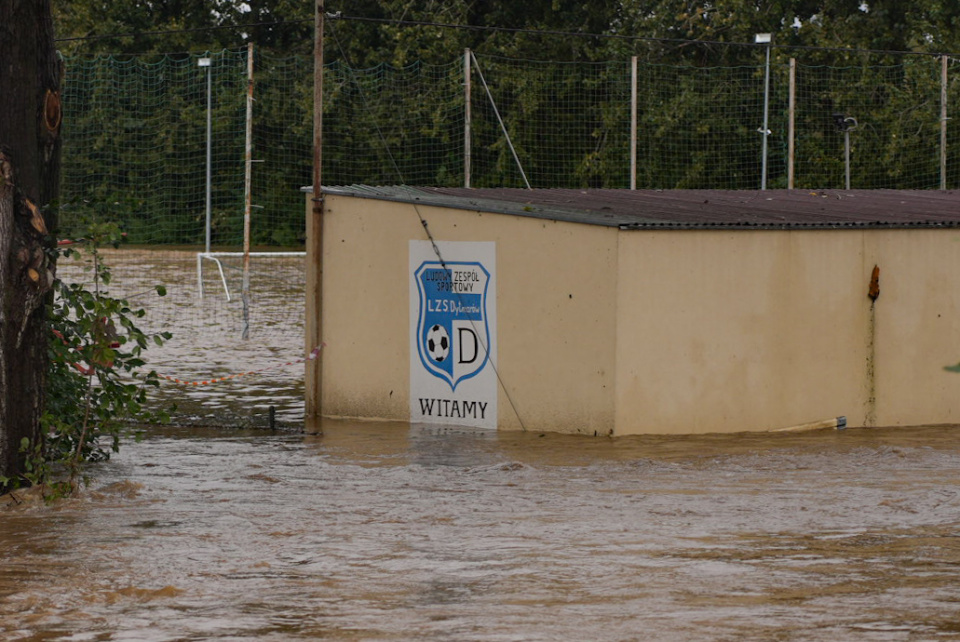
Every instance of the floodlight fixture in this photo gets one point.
(203, 62)
(844, 123)
(763, 38)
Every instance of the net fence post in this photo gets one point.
(633, 123)
(247, 196)
(209, 167)
(791, 124)
(943, 121)
(765, 130)
(466, 118)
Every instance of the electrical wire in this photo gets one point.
(617, 36)
(167, 32)
(506, 30)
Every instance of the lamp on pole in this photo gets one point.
(846, 124)
(765, 39)
(205, 62)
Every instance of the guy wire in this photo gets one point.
(426, 228)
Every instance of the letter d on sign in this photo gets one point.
(472, 348)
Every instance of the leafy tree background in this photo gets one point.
(394, 99)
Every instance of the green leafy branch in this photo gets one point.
(97, 383)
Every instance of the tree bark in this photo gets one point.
(30, 117)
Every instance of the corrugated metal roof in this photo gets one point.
(694, 209)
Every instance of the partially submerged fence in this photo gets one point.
(135, 132)
(136, 147)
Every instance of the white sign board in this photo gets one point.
(453, 333)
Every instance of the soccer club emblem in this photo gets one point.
(453, 336)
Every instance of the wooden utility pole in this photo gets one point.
(30, 119)
(314, 305)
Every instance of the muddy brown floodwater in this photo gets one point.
(378, 531)
(208, 342)
(391, 532)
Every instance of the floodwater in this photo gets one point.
(209, 343)
(378, 531)
(391, 532)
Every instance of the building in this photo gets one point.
(615, 312)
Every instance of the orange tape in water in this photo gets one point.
(310, 357)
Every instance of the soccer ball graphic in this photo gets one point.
(438, 343)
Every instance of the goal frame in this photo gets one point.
(216, 256)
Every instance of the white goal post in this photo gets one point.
(216, 256)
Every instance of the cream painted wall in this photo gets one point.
(917, 326)
(744, 330)
(732, 331)
(366, 358)
(556, 312)
(658, 331)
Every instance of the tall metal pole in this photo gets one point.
(247, 194)
(846, 158)
(845, 124)
(765, 132)
(207, 62)
(314, 303)
(792, 125)
(467, 117)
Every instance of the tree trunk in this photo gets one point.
(29, 176)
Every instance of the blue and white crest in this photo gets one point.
(453, 333)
